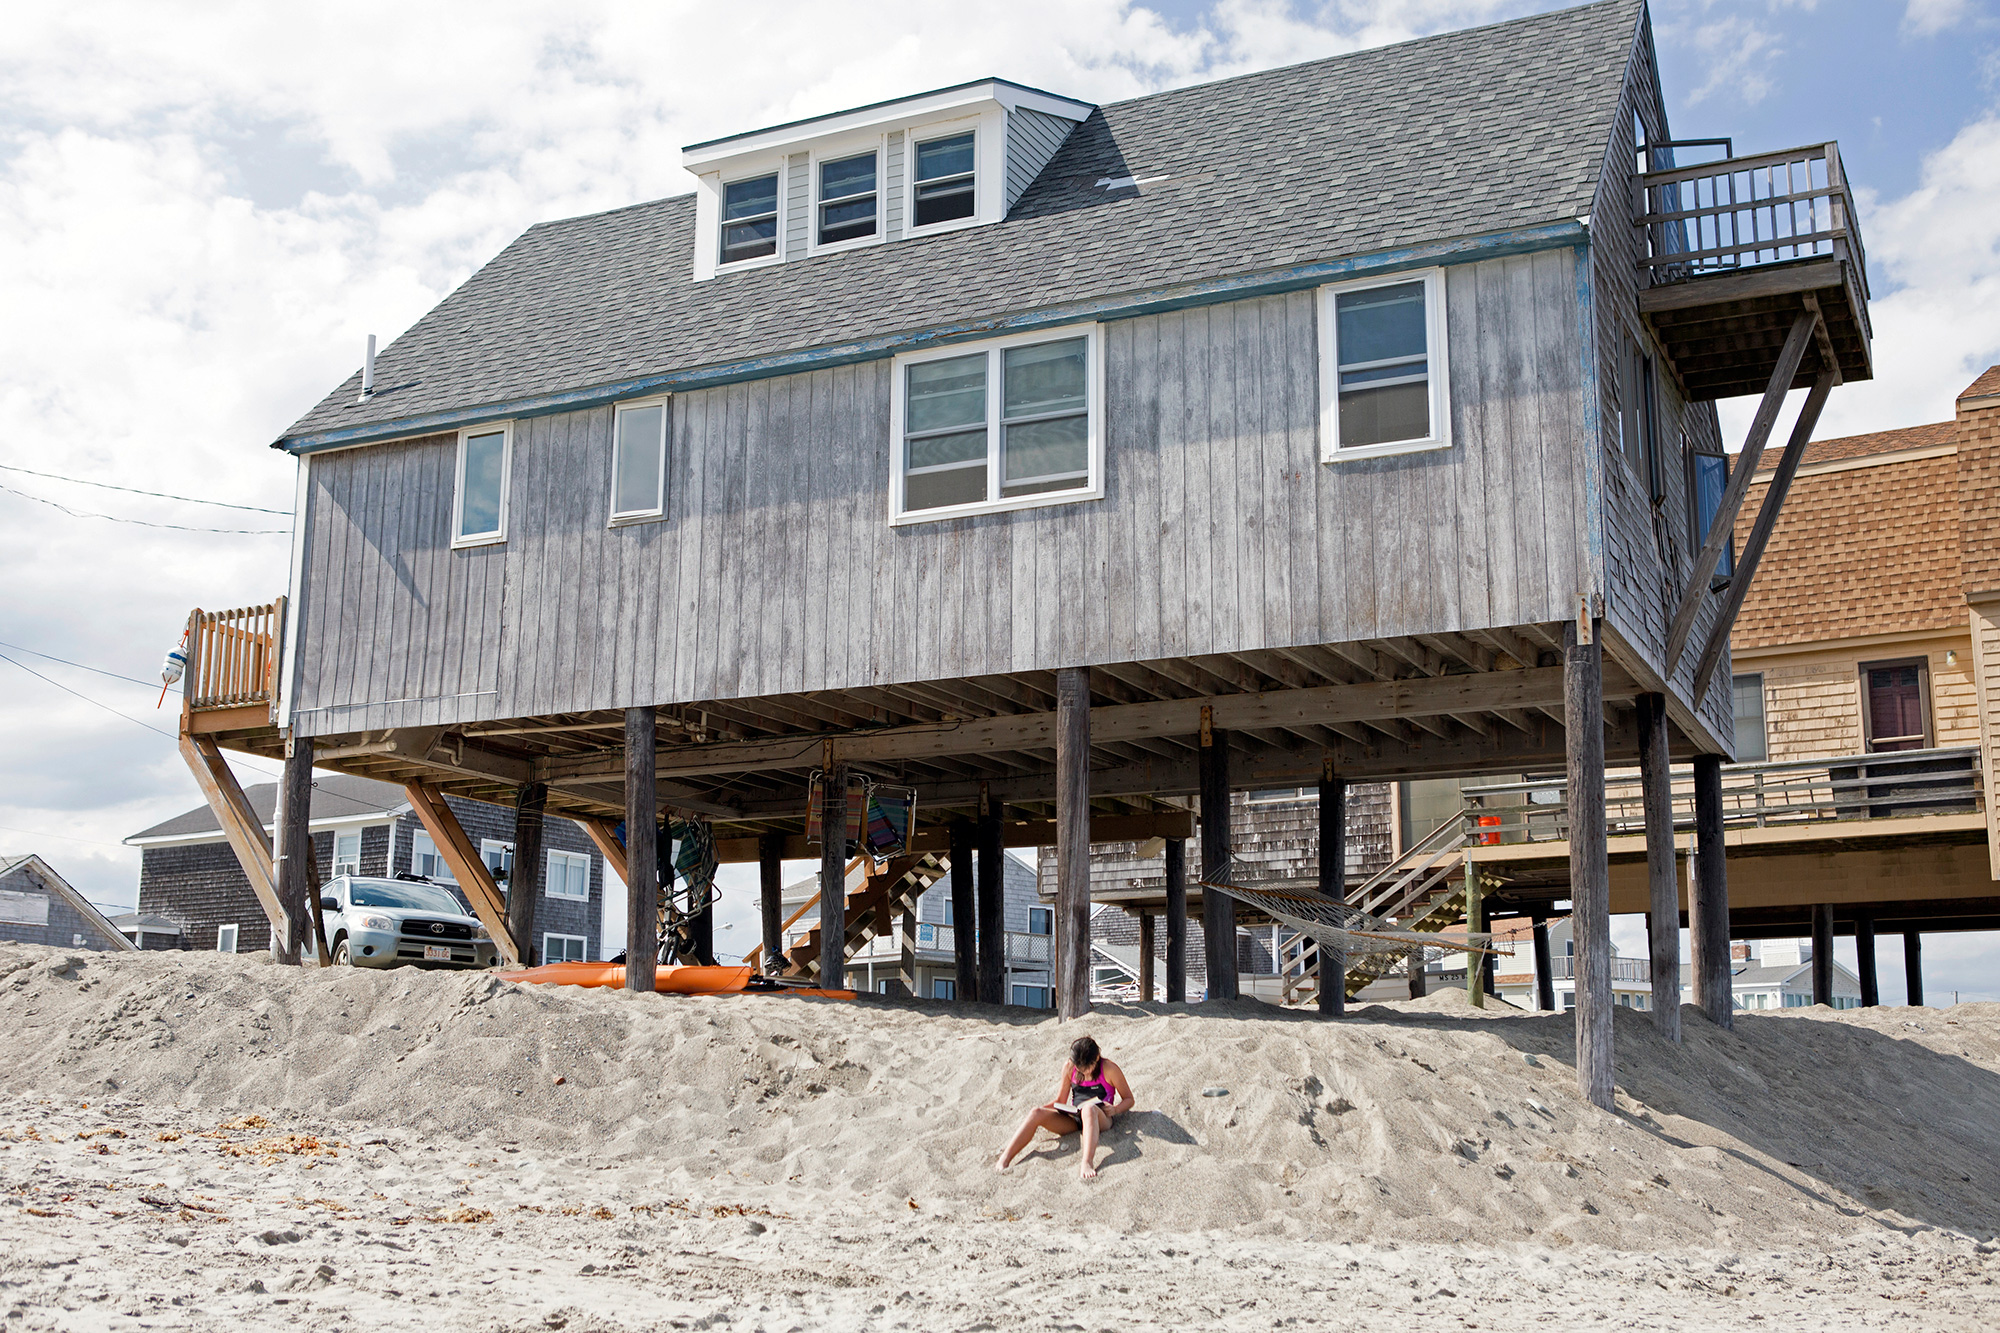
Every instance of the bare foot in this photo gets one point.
(1087, 1172)
(1001, 1163)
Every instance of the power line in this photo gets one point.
(87, 699)
(130, 680)
(133, 490)
(176, 527)
(59, 837)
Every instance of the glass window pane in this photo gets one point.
(1380, 323)
(1382, 416)
(946, 393)
(945, 202)
(1048, 377)
(1045, 456)
(1747, 697)
(750, 240)
(748, 199)
(1711, 477)
(479, 487)
(934, 490)
(848, 221)
(944, 157)
(933, 450)
(849, 176)
(637, 485)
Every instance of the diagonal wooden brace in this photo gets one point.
(240, 825)
(1723, 527)
(463, 858)
(1760, 531)
(605, 834)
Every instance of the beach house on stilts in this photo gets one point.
(1060, 463)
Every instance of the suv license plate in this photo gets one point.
(437, 952)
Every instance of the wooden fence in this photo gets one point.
(1745, 211)
(233, 656)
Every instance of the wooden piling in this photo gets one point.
(833, 877)
(642, 868)
(771, 900)
(1822, 953)
(992, 903)
(964, 913)
(1218, 912)
(1176, 855)
(1662, 865)
(1333, 884)
(1913, 966)
(1864, 954)
(1545, 975)
(1708, 898)
(524, 884)
(1475, 921)
(294, 849)
(1589, 868)
(1145, 955)
(1072, 842)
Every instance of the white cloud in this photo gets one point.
(1927, 18)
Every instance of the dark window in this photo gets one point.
(1041, 921)
(1638, 418)
(847, 199)
(947, 913)
(1711, 476)
(750, 219)
(1747, 695)
(942, 989)
(1893, 706)
(944, 180)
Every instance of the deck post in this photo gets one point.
(289, 866)
(1072, 842)
(993, 901)
(833, 876)
(1822, 959)
(1218, 913)
(1176, 920)
(524, 885)
(1663, 902)
(642, 862)
(1419, 984)
(1913, 966)
(771, 900)
(1708, 897)
(1475, 921)
(1333, 884)
(964, 913)
(1589, 868)
(1545, 974)
(1145, 955)
(1864, 953)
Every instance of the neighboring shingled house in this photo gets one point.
(39, 906)
(192, 879)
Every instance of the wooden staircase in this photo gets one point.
(1421, 890)
(876, 896)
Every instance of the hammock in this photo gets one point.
(1336, 925)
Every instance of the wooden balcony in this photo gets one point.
(1733, 252)
(232, 671)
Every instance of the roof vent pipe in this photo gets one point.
(368, 372)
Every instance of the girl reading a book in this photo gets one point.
(1092, 1094)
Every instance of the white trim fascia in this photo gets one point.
(989, 168)
(659, 511)
(838, 150)
(288, 659)
(883, 118)
(1864, 460)
(1092, 334)
(340, 824)
(1437, 342)
(505, 429)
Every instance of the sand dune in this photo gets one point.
(1857, 1140)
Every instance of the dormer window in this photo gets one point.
(847, 199)
(750, 219)
(944, 180)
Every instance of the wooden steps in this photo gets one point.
(885, 893)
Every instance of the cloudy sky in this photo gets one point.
(205, 209)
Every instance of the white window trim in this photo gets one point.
(1437, 342)
(444, 875)
(496, 845)
(334, 858)
(582, 945)
(992, 347)
(234, 934)
(625, 518)
(987, 177)
(549, 878)
(717, 264)
(505, 429)
(836, 152)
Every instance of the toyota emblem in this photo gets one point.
(437, 927)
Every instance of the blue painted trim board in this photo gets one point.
(1126, 305)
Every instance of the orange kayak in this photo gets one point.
(673, 980)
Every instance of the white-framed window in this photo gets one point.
(944, 988)
(1006, 424)
(847, 196)
(563, 948)
(942, 182)
(499, 859)
(568, 876)
(753, 219)
(639, 461)
(346, 854)
(1383, 377)
(1041, 921)
(426, 860)
(1276, 795)
(225, 939)
(479, 496)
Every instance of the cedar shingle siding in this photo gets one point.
(67, 928)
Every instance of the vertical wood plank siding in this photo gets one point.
(1646, 559)
(1220, 530)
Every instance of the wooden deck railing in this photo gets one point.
(1745, 211)
(233, 656)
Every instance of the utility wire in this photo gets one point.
(133, 490)
(176, 527)
(131, 680)
(87, 699)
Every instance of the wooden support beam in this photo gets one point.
(1708, 897)
(1218, 912)
(1662, 865)
(1176, 870)
(1722, 530)
(605, 835)
(771, 900)
(964, 911)
(240, 825)
(291, 866)
(1333, 884)
(524, 885)
(1589, 869)
(1146, 947)
(1913, 966)
(906, 952)
(993, 904)
(1864, 956)
(1072, 976)
(833, 874)
(642, 860)
(1822, 954)
(1545, 975)
(1760, 532)
(466, 865)
(1475, 922)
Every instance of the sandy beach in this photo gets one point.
(207, 1141)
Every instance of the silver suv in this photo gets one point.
(386, 922)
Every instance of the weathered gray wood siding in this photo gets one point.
(798, 204)
(776, 568)
(1648, 552)
(1032, 139)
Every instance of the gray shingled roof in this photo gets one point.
(335, 796)
(1459, 135)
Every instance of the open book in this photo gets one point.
(1076, 1103)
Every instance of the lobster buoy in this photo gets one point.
(173, 668)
